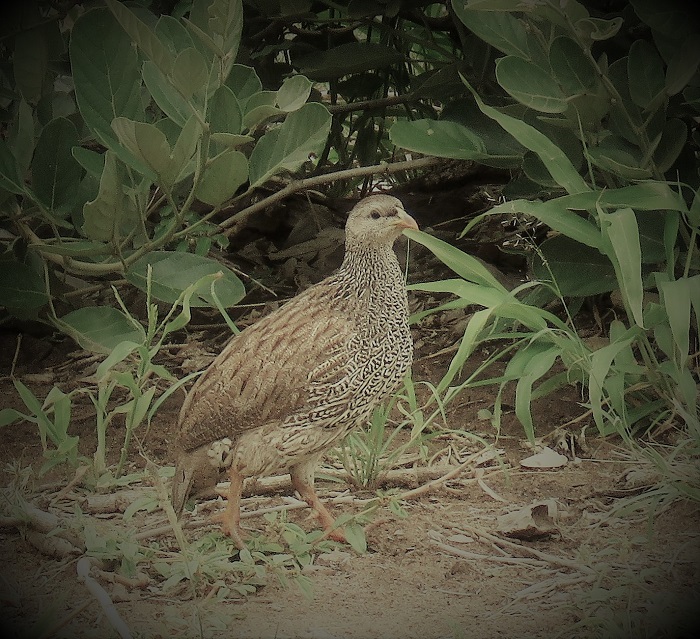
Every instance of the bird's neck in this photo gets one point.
(373, 274)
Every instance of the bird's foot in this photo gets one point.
(231, 526)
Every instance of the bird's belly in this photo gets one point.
(271, 450)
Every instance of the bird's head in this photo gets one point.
(377, 220)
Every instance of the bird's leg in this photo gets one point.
(303, 481)
(231, 517)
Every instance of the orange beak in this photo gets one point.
(405, 221)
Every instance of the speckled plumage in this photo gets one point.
(296, 382)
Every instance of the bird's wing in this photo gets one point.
(265, 372)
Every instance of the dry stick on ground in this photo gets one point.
(84, 566)
(543, 556)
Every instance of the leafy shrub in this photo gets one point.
(103, 165)
(601, 142)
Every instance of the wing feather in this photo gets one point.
(265, 373)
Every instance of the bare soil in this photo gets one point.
(446, 570)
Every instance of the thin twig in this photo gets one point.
(98, 592)
(544, 556)
(235, 222)
(436, 483)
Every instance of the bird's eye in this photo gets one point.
(375, 215)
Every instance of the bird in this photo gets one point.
(295, 383)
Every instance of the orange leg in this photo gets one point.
(231, 517)
(303, 481)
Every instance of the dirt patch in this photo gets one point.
(441, 571)
(618, 554)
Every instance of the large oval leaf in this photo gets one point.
(173, 272)
(285, 149)
(100, 328)
(20, 286)
(530, 85)
(578, 270)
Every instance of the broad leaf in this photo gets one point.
(572, 68)
(577, 270)
(222, 177)
(143, 36)
(286, 148)
(10, 179)
(20, 286)
(293, 93)
(530, 85)
(190, 72)
(174, 272)
(106, 215)
(55, 172)
(100, 328)
(645, 70)
(107, 77)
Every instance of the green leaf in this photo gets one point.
(172, 32)
(222, 177)
(145, 141)
(345, 59)
(622, 233)
(468, 343)
(218, 24)
(190, 72)
(21, 136)
(554, 158)
(355, 535)
(118, 353)
(244, 82)
(166, 96)
(107, 77)
(619, 157)
(439, 138)
(530, 85)
(647, 83)
(20, 286)
(143, 36)
(10, 179)
(105, 216)
(293, 93)
(683, 64)
(571, 67)
(183, 152)
(540, 359)
(503, 31)
(557, 217)
(597, 29)
(100, 328)
(286, 148)
(224, 112)
(578, 270)
(91, 161)
(465, 265)
(30, 62)
(55, 173)
(673, 139)
(600, 364)
(173, 272)
(676, 297)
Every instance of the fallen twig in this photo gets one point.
(84, 567)
(544, 556)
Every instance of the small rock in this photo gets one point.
(546, 458)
